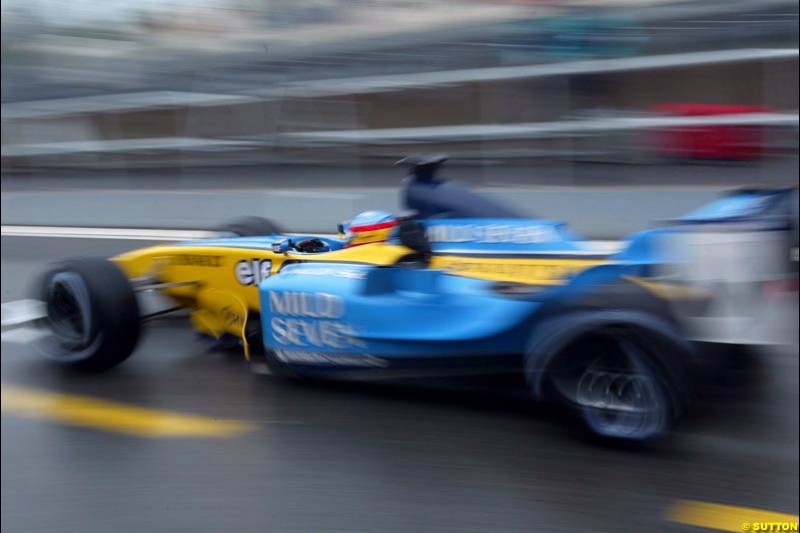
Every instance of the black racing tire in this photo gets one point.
(93, 320)
(613, 381)
(250, 227)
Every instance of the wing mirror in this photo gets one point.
(282, 246)
(342, 227)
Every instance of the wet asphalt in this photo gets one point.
(346, 457)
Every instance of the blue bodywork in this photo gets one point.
(329, 317)
(389, 312)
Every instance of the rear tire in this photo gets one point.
(250, 227)
(612, 382)
(92, 315)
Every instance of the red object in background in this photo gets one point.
(731, 142)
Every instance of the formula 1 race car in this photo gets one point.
(461, 285)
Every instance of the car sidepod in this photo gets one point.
(333, 318)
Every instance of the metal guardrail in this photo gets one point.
(493, 74)
(383, 83)
(152, 146)
(394, 136)
(536, 130)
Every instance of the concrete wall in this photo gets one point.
(594, 213)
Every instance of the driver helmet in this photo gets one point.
(370, 227)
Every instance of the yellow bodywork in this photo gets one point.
(537, 271)
(219, 284)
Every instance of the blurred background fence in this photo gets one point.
(327, 93)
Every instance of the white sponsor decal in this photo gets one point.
(491, 233)
(251, 272)
(311, 320)
(322, 358)
(326, 272)
(310, 304)
(313, 333)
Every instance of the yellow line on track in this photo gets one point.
(730, 517)
(88, 412)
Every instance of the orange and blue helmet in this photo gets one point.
(370, 227)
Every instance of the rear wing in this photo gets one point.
(739, 249)
(756, 206)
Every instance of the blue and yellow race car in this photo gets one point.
(461, 286)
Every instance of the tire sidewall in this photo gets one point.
(113, 315)
(664, 367)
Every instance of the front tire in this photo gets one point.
(93, 319)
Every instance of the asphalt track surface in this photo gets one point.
(341, 457)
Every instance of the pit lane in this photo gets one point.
(361, 458)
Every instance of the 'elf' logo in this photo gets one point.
(253, 271)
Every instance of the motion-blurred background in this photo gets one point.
(281, 94)
(180, 114)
